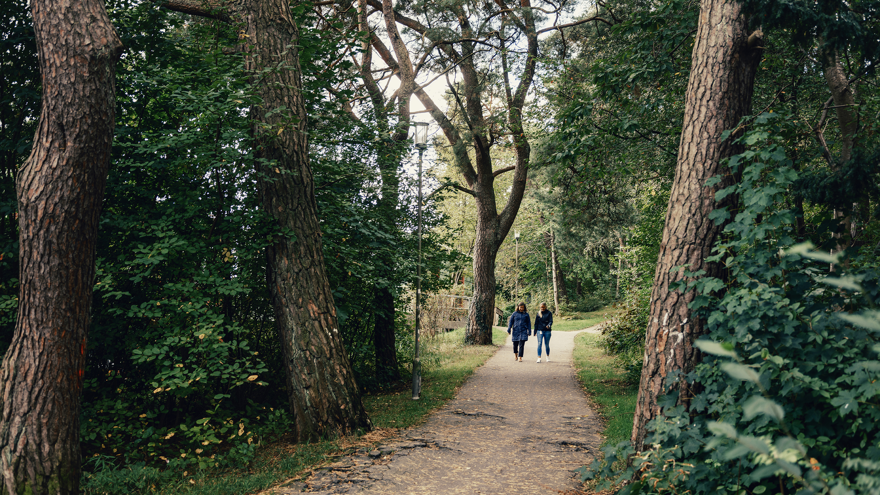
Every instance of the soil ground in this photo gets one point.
(513, 428)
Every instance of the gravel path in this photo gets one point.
(514, 427)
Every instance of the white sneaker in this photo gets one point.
(539, 360)
(548, 359)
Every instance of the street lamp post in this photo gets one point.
(516, 263)
(421, 141)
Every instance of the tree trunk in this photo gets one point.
(384, 338)
(719, 95)
(481, 313)
(324, 397)
(60, 189)
(555, 268)
(847, 118)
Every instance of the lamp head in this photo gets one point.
(420, 134)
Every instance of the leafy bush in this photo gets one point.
(789, 392)
(623, 336)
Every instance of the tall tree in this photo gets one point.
(60, 189)
(724, 61)
(322, 391)
(481, 118)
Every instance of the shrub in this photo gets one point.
(623, 336)
(789, 383)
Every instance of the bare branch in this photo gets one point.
(560, 27)
(198, 8)
(453, 185)
(503, 170)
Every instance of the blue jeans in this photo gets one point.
(545, 336)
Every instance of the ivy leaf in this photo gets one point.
(847, 402)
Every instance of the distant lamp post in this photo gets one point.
(420, 137)
(516, 263)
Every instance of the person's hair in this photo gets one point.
(543, 304)
(525, 309)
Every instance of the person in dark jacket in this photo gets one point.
(519, 326)
(543, 324)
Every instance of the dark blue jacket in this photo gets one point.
(543, 323)
(519, 326)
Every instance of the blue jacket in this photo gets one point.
(543, 323)
(520, 324)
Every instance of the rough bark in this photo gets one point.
(60, 189)
(719, 94)
(843, 97)
(844, 104)
(324, 397)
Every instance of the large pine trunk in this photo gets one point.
(481, 313)
(719, 94)
(324, 397)
(60, 189)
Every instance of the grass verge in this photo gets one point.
(581, 321)
(614, 397)
(446, 363)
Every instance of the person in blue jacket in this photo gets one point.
(519, 326)
(543, 325)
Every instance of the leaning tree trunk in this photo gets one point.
(719, 94)
(60, 189)
(324, 397)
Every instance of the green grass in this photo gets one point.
(446, 363)
(581, 321)
(614, 397)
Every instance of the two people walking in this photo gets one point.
(519, 326)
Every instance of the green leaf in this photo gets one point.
(846, 401)
(848, 283)
(740, 372)
(715, 348)
(761, 405)
(806, 250)
(722, 429)
(867, 319)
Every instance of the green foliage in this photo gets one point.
(788, 399)
(19, 111)
(623, 336)
(183, 359)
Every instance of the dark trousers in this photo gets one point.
(518, 347)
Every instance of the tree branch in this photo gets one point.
(503, 170)
(560, 27)
(197, 8)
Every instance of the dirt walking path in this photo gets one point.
(513, 428)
